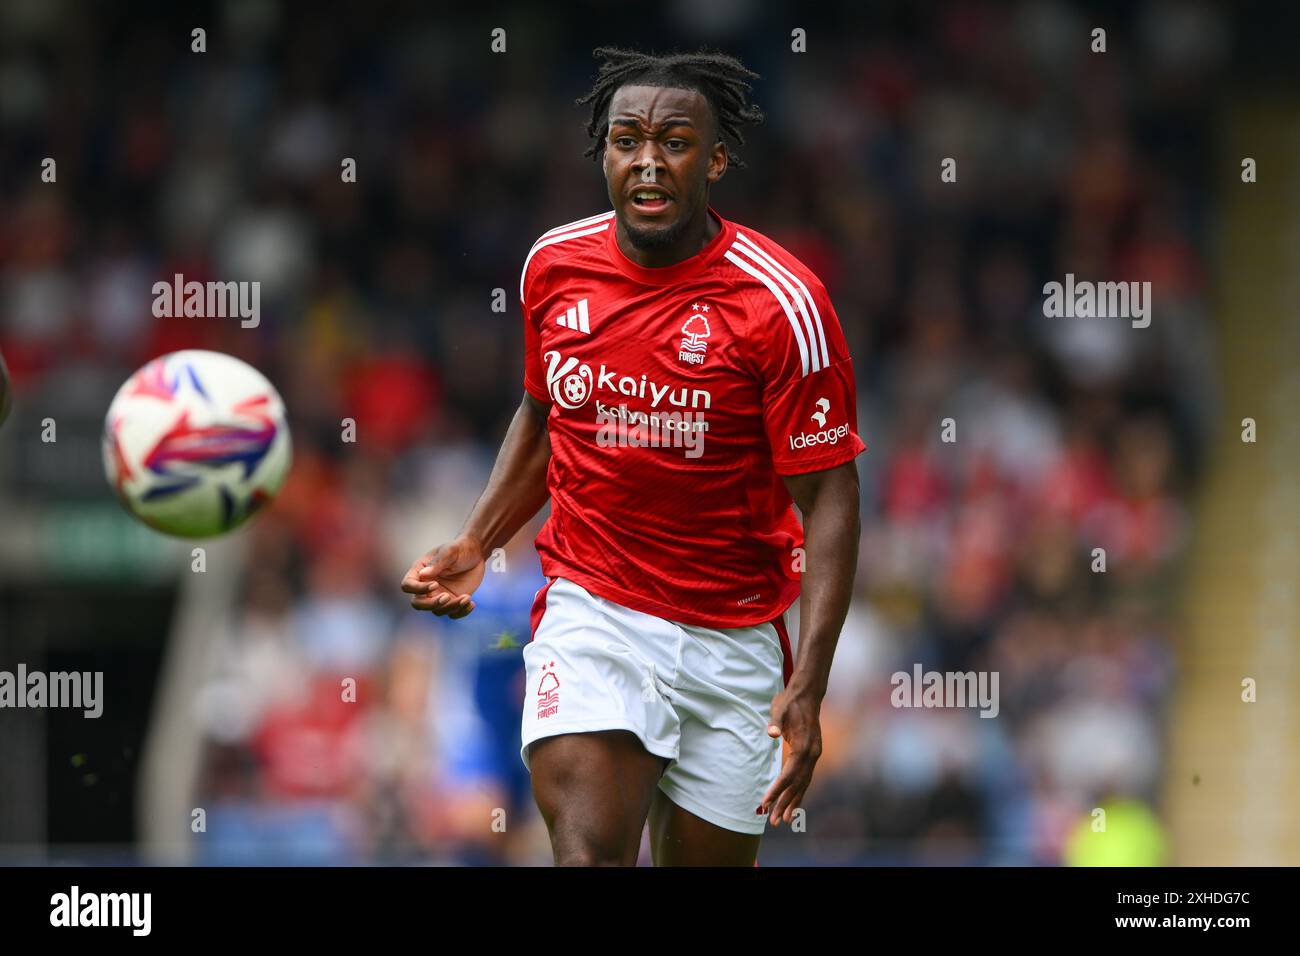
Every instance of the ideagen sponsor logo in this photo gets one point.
(827, 436)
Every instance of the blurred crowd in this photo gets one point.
(977, 553)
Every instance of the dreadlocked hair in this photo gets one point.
(722, 80)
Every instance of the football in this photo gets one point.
(195, 442)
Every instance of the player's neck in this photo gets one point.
(696, 236)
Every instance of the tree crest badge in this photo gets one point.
(694, 332)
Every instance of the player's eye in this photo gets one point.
(624, 141)
(681, 143)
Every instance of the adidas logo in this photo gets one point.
(575, 318)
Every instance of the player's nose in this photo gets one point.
(647, 159)
(648, 173)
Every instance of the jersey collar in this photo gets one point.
(666, 275)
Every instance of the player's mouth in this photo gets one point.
(650, 201)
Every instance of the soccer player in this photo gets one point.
(685, 379)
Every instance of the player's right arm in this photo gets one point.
(443, 579)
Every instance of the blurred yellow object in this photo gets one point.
(1132, 837)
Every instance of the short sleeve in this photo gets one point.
(809, 395)
(534, 377)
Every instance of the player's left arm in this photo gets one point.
(828, 501)
(810, 415)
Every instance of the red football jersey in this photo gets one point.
(679, 397)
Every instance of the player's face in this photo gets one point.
(662, 153)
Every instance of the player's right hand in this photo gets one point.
(443, 579)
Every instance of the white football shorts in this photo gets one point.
(700, 696)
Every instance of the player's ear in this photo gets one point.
(717, 162)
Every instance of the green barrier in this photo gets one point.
(101, 541)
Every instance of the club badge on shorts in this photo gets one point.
(548, 692)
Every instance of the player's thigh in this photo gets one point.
(594, 791)
(680, 838)
(726, 760)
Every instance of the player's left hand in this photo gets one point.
(795, 716)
